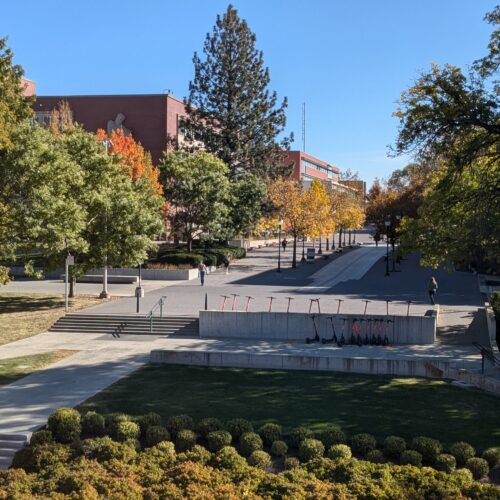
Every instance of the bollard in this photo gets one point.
(206, 301)
(387, 306)
(249, 298)
(234, 301)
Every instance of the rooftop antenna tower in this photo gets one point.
(304, 127)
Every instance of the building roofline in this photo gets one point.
(111, 95)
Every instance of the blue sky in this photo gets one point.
(348, 60)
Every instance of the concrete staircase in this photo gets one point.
(117, 325)
(9, 445)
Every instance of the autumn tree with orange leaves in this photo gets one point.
(134, 158)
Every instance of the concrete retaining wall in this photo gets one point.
(247, 244)
(492, 325)
(373, 366)
(147, 274)
(297, 326)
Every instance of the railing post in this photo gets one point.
(150, 323)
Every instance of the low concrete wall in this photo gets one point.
(492, 325)
(373, 366)
(298, 326)
(147, 274)
(489, 384)
(247, 244)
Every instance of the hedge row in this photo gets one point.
(67, 426)
(102, 467)
(211, 256)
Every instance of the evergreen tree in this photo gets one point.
(230, 109)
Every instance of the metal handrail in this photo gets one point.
(486, 353)
(159, 304)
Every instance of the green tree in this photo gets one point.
(197, 189)
(230, 107)
(122, 215)
(14, 106)
(39, 207)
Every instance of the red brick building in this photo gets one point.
(307, 168)
(153, 119)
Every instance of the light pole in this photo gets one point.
(387, 225)
(139, 291)
(280, 222)
(104, 294)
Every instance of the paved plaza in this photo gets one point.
(353, 276)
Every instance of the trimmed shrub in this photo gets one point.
(332, 435)
(462, 451)
(218, 439)
(260, 459)
(65, 425)
(250, 442)
(93, 424)
(176, 257)
(394, 446)
(179, 423)
(298, 435)
(363, 443)
(104, 449)
(429, 448)
(185, 440)
(126, 431)
(478, 466)
(411, 457)
(111, 421)
(492, 456)
(41, 437)
(197, 454)
(41, 457)
(269, 433)
(310, 449)
(339, 451)
(376, 456)
(207, 425)
(148, 420)
(446, 463)
(238, 426)
(229, 459)
(156, 434)
(291, 463)
(166, 448)
(279, 448)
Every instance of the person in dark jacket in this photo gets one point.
(432, 288)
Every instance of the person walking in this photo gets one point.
(226, 264)
(284, 243)
(202, 269)
(432, 288)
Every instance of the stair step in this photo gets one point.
(14, 437)
(8, 452)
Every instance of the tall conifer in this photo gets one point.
(230, 107)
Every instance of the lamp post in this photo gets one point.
(280, 223)
(387, 225)
(104, 294)
(398, 217)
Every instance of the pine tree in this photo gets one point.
(230, 109)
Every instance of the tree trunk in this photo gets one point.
(320, 251)
(294, 256)
(340, 238)
(333, 241)
(72, 287)
(189, 243)
(303, 249)
(327, 243)
(349, 237)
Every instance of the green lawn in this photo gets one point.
(358, 403)
(12, 369)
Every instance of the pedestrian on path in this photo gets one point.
(284, 243)
(202, 269)
(226, 264)
(432, 288)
